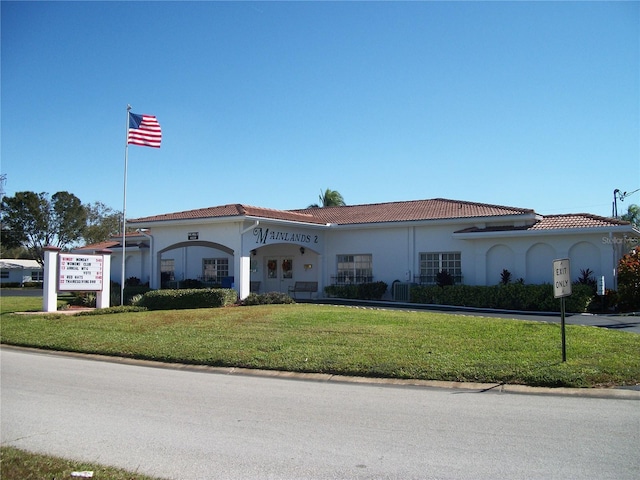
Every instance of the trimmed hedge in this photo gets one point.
(110, 310)
(268, 298)
(188, 298)
(513, 296)
(32, 285)
(362, 291)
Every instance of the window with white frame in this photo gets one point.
(432, 263)
(167, 269)
(354, 269)
(37, 276)
(215, 269)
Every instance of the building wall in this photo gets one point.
(19, 275)
(531, 257)
(395, 251)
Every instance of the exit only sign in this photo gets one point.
(561, 278)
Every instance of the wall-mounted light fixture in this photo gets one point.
(301, 250)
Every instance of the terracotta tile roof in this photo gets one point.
(433, 209)
(557, 222)
(99, 246)
(232, 210)
(114, 241)
(576, 220)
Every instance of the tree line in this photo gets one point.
(31, 221)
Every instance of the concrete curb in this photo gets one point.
(619, 393)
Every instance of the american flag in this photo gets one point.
(144, 130)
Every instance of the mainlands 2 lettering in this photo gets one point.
(262, 236)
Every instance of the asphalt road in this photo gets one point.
(189, 424)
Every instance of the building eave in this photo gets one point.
(432, 222)
(618, 229)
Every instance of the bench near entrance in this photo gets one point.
(303, 287)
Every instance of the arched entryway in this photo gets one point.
(199, 260)
(277, 267)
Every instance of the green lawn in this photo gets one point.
(346, 341)
(17, 464)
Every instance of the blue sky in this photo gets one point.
(533, 105)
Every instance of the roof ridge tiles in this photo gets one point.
(589, 215)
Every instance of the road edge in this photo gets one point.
(620, 393)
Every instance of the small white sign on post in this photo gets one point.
(561, 278)
(80, 272)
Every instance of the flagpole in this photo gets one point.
(124, 207)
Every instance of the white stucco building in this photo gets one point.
(261, 249)
(20, 271)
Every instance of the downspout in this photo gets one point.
(152, 264)
(242, 232)
(242, 284)
(614, 262)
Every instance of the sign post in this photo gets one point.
(70, 272)
(561, 289)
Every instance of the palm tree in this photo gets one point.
(632, 215)
(330, 198)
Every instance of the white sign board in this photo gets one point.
(561, 278)
(79, 272)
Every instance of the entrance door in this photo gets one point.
(279, 274)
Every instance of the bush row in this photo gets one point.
(513, 296)
(34, 285)
(363, 291)
(189, 298)
(116, 309)
(268, 298)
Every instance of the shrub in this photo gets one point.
(190, 283)
(363, 291)
(188, 298)
(83, 299)
(372, 291)
(132, 282)
(586, 278)
(118, 309)
(268, 298)
(629, 281)
(444, 278)
(129, 292)
(341, 291)
(505, 277)
(604, 303)
(513, 296)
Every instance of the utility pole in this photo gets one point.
(617, 194)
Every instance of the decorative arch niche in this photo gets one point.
(499, 258)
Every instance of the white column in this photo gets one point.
(243, 277)
(103, 297)
(49, 292)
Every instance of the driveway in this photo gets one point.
(622, 322)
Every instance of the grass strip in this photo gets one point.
(16, 464)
